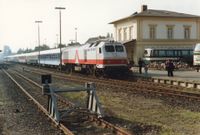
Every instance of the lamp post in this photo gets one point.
(75, 35)
(57, 40)
(38, 22)
(60, 8)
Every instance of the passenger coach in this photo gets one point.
(157, 55)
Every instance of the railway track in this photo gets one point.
(127, 86)
(33, 92)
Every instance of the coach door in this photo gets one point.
(98, 55)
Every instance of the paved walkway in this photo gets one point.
(180, 75)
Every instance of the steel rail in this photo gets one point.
(100, 121)
(136, 87)
(59, 125)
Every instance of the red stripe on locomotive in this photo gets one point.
(93, 61)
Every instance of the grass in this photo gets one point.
(172, 120)
(138, 109)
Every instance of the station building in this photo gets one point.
(158, 29)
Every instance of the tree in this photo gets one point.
(42, 47)
(20, 51)
(61, 45)
(28, 50)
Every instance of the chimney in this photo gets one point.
(144, 8)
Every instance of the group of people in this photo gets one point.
(169, 66)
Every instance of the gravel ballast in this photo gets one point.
(18, 115)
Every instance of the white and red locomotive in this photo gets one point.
(100, 57)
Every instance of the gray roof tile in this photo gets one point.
(158, 13)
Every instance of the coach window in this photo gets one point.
(155, 53)
(191, 52)
(178, 53)
(169, 53)
(175, 53)
(161, 53)
(185, 53)
(109, 48)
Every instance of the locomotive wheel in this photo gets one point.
(98, 73)
(69, 69)
(90, 70)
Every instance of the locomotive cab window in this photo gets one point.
(119, 48)
(99, 50)
(109, 48)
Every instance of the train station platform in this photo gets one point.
(185, 78)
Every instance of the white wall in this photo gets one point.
(161, 29)
(123, 25)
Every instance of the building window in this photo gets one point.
(152, 31)
(187, 32)
(170, 31)
(119, 34)
(130, 32)
(125, 34)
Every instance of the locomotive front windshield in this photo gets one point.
(119, 48)
(109, 48)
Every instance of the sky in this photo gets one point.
(91, 17)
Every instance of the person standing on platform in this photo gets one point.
(170, 67)
(140, 63)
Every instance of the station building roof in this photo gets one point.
(156, 13)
